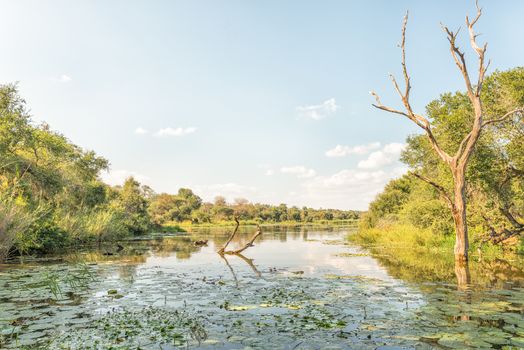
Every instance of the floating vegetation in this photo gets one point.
(76, 277)
(195, 303)
(146, 328)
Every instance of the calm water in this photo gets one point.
(297, 288)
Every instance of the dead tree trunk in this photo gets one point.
(459, 218)
(458, 162)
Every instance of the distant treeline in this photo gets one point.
(186, 206)
(51, 195)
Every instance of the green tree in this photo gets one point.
(134, 206)
(455, 161)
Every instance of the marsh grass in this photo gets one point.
(419, 254)
(75, 279)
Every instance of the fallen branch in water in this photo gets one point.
(223, 249)
(247, 245)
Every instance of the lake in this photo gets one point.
(296, 288)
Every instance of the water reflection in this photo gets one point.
(439, 266)
(463, 274)
(463, 284)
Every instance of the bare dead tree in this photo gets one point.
(247, 245)
(223, 249)
(457, 162)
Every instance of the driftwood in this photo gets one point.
(223, 250)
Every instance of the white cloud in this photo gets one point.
(300, 171)
(269, 172)
(342, 151)
(347, 189)
(64, 78)
(118, 177)
(175, 131)
(386, 156)
(318, 112)
(140, 131)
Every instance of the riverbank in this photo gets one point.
(417, 254)
(227, 223)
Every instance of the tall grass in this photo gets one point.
(15, 219)
(420, 254)
(91, 224)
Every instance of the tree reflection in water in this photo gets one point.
(463, 284)
(248, 261)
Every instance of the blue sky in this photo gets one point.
(266, 100)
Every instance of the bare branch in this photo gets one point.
(223, 249)
(506, 116)
(248, 244)
(441, 189)
(379, 105)
(479, 50)
(421, 121)
(403, 48)
(467, 145)
(459, 58)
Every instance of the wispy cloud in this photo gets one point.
(175, 131)
(300, 171)
(318, 112)
(342, 151)
(140, 131)
(386, 156)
